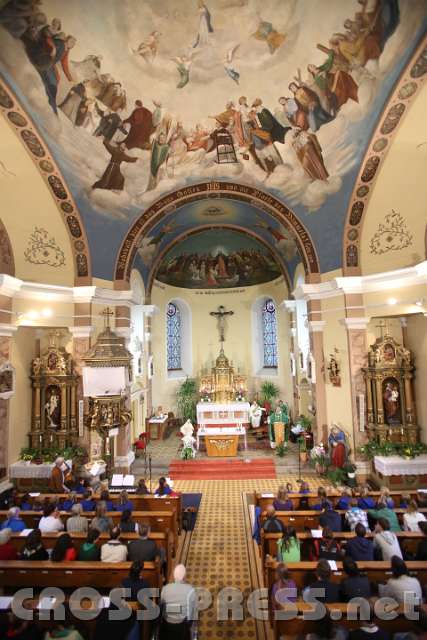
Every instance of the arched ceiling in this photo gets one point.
(187, 61)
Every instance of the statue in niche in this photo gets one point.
(391, 399)
(52, 407)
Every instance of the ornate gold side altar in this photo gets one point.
(223, 384)
(389, 392)
(54, 402)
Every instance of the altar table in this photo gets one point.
(27, 475)
(156, 427)
(221, 433)
(397, 466)
(218, 413)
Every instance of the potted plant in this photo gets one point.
(281, 449)
(269, 391)
(187, 453)
(318, 458)
(303, 453)
(187, 399)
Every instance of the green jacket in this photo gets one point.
(388, 514)
(293, 554)
(89, 551)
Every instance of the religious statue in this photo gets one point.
(52, 408)
(278, 422)
(391, 398)
(334, 371)
(338, 449)
(188, 440)
(255, 414)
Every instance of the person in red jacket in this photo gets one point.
(7, 550)
(64, 549)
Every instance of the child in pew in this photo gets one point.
(343, 503)
(405, 501)
(360, 548)
(354, 585)
(68, 503)
(331, 591)
(326, 547)
(401, 583)
(412, 517)
(64, 549)
(321, 494)
(366, 501)
(88, 503)
(289, 547)
(33, 548)
(123, 503)
(105, 497)
(25, 503)
(282, 502)
(385, 497)
(89, 550)
(62, 630)
(284, 589)
(304, 488)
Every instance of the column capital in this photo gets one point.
(289, 305)
(7, 330)
(316, 326)
(150, 309)
(354, 323)
(84, 331)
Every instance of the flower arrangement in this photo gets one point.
(402, 449)
(187, 453)
(240, 396)
(49, 454)
(319, 458)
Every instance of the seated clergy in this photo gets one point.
(385, 541)
(77, 523)
(14, 522)
(272, 524)
(360, 548)
(355, 514)
(51, 521)
(114, 550)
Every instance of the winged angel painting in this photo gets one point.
(132, 109)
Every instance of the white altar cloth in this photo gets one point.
(221, 431)
(226, 413)
(23, 470)
(397, 466)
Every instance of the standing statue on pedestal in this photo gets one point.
(188, 441)
(338, 449)
(255, 414)
(278, 425)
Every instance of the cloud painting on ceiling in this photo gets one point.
(217, 259)
(136, 99)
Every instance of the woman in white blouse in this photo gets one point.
(412, 517)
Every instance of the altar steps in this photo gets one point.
(223, 469)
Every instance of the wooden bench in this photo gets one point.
(162, 540)
(15, 574)
(160, 521)
(377, 571)
(306, 520)
(298, 626)
(263, 499)
(140, 502)
(408, 541)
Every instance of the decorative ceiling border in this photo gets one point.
(215, 189)
(206, 227)
(393, 113)
(7, 260)
(27, 132)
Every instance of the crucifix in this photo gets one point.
(107, 313)
(220, 315)
(382, 325)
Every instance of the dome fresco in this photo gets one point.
(135, 100)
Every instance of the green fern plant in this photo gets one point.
(187, 399)
(269, 391)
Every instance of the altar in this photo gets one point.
(222, 414)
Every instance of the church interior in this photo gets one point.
(213, 318)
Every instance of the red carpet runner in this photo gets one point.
(222, 469)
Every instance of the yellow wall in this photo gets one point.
(417, 342)
(401, 186)
(205, 345)
(26, 203)
(23, 351)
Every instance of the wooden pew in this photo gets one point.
(15, 574)
(408, 541)
(377, 571)
(162, 540)
(303, 520)
(140, 502)
(263, 499)
(298, 626)
(161, 521)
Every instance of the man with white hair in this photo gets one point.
(13, 521)
(77, 523)
(178, 602)
(56, 482)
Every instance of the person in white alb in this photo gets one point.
(51, 521)
(412, 517)
(114, 550)
(179, 606)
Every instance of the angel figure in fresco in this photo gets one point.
(183, 65)
(229, 66)
(281, 237)
(148, 47)
(269, 35)
(112, 178)
(205, 26)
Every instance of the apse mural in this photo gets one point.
(136, 99)
(217, 259)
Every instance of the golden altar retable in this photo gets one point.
(223, 384)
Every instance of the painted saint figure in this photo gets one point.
(205, 26)
(112, 177)
(391, 397)
(141, 127)
(309, 153)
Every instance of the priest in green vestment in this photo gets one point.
(280, 415)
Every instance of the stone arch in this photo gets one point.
(186, 234)
(404, 94)
(231, 190)
(23, 126)
(7, 260)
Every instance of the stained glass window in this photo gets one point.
(173, 325)
(269, 334)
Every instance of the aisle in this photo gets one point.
(219, 555)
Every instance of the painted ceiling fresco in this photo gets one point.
(218, 259)
(138, 98)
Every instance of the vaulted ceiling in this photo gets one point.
(206, 73)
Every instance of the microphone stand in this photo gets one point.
(299, 460)
(149, 470)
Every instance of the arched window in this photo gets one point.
(269, 334)
(173, 337)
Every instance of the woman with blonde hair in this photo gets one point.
(412, 517)
(101, 521)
